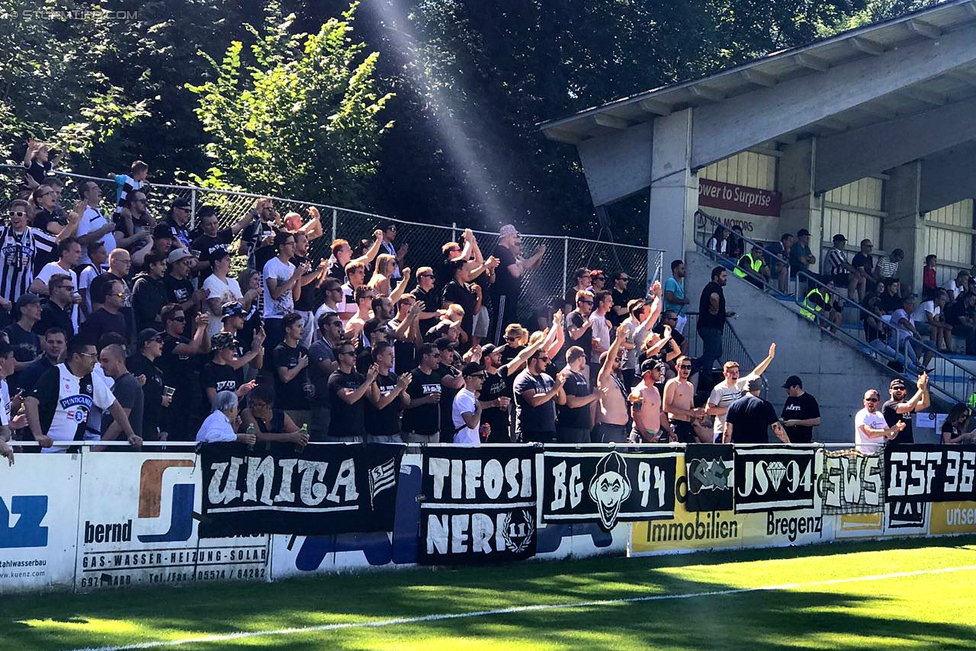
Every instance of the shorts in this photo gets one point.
(684, 431)
(573, 434)
(654, 436)
(612, 433)
(410, 437)
(481, 323)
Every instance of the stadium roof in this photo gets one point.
(875, 40)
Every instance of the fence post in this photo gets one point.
(193, 208)
(565, 262)
(454, 231)
(335, 218)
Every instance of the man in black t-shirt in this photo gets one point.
(749, 418)
(26, 344)
(290, 363)
(451, 383)
(578, 332)
(180, 362)
(213, 238)
(898, 409)
(620, 295)
(149, 347)
(573, 416)
(179, 289)
(508, 279)
(801, 413)
(711, 325)
(347, 397)
(459, 292)
(421, 417)
(386, 397)
(218, 374)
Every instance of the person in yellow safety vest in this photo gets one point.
(752, 267)
(819, 299)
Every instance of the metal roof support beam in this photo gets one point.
(928, 97)
(872, 149)
(742, 121)
(707, 94)
(948, 178)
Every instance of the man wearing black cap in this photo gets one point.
(149, 292)
(844, 275)
(801, 413)
(178, 221)
(800, 255)
(750, 416)
(179, 288)
(221, 288)
(451, 381)
(213, 238)
(142, 364)
(495, 392)
(232, 316)
(897, 409)
(651, 425)
(466, 408)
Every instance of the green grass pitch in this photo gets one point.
(891, 595)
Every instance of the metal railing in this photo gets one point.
(543, 285)
(706, 226)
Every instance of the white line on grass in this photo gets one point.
(224, 637)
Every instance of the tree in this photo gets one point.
(298, 116)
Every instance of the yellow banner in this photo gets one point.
(953, 517)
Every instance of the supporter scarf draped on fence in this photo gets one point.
(325, 489)
(478, 505)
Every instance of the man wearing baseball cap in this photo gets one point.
(844, 275)
(508, 278)
(179, 217)
(651, 425)
(800, 255)
(466, 408)
(750, 416)
(801, 413)
(897, 409)
(179, 289)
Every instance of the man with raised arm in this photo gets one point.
(731, 389)
(613, 393)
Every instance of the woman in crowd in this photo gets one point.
(270, 424)
(954, 428)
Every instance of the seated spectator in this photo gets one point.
(56, 312)
(954, 427)
(290, 361)
(271, 424)
(752, 267)
(906, 337)
(718, 242)
(736, 245)
(821, 305)
(961, 315)
(846, 276)
(930, 320)
(957, 286)
(779, 260)
(887, 266)
(800, 255)
(930, 285)
(219, 426)
(891, 297)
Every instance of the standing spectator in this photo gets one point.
(421, 419)
(600, 326)
(581, 278)
(386, 246)
(459, 292)
(842, 272)
(179, 288)
(598, 281)
(578, 324)
(930, 320)
(467, 409)
(424, 293)
(259, 232)
(679, 403)
(451, 382)
(331, 299)
(621, 295)
(108, 317)
(69, 254)
(750, 416)
(281, 287)
(322, 363)
(142, 364)
(930, 285)
(290, 363)
(779, 260)
(178, 220)
(495, 391)
(39, 162)
(214, 239)
(711, 323)
(307, 300)
(887, 266)
(221, 288)
(575, 417)
(52, 347)
(126, 184)
(674, 295)
(133, 223)
(363, 302)
(961, 315)
(93, 225)
(219, 373)
(509, 276)
(179, 362)
(638, 325)
(149, 292)
(613, 393)
(897, 409)
(60, 404)
(355, 278)
(387, 396)
(801, 412)
(24, 342)
(650, 422)
(535, 401)
(56, 312)
(801, 257)
(864, 265)
(126, 390)
(89, 272)
(347, 397)
(870, 428)
(232, 320)
(342, 256)
(21, 247)
(48, 215)
(731, 389)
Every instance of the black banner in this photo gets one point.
(852, 483)
(607, 486)
(774, 479)
(709, 474)
(930, 473)
(327, 489)
(478, 505)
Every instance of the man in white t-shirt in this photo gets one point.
(870, 429)
(93, 225)
(69, 255)
(61, 401)
(7, 362)
(600, 326)
(731, 389)
(929, 320)
(466, 409)
(222, 289)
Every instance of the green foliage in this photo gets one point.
(294, 114)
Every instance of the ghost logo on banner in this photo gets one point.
(774, 479)
(610, 487)
(709, 477)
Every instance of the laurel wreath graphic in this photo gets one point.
(530, 527)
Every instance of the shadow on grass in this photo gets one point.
(764, 620)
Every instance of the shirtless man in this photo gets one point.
(731, 389)
(613, 393)
(650, 423)
(679, 403)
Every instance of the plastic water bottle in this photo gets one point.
(250, 432)
(299, 448)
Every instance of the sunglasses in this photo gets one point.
(426, 275)
(178, 319)
(18, 213)
(871, 399)
(542, 358)
(347, 352)
(586, 302)
(686, 367)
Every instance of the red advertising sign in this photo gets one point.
(738, 198)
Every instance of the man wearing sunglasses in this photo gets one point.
(679, 395)
(578, 332)
(899, 409)
(535, 401)
(347, 391)
(21, 247)
(108, 317)
(870, 429)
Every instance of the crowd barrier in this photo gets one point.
(87, 521)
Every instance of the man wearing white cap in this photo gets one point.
(505, 291)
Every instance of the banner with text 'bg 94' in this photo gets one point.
(605, 487)
(930, 473)
(325, 489)
(478, 505)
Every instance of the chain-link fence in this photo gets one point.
(547, 282)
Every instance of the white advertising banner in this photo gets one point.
(136, 526)
(38, 522)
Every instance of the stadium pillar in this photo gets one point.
(904, 228)
(674, 186)
(800, 207)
